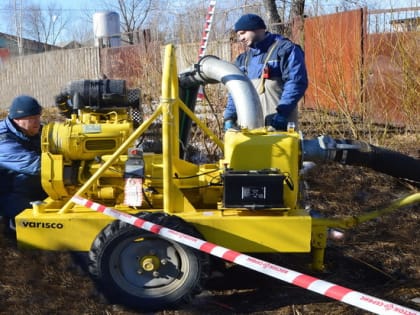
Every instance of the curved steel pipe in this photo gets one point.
(211, 69)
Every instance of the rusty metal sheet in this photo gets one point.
(392, 78)
(333, 49)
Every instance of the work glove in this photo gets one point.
(279, 122)
(229, 124)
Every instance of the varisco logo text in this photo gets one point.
(42, 225)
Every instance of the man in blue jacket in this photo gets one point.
(20, 158)
(276, 67)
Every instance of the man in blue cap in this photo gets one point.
(20, 158)
(276, 67)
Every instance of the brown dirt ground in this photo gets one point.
(379, 257)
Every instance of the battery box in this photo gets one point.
(253, 189)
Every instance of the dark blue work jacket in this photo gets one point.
(285, 69)
(20, 162)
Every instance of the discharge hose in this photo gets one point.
(360, 153)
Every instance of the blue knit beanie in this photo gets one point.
(23, 106)
(249, 22)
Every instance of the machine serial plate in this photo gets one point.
(92, 128)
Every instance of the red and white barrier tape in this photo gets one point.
(331, 290)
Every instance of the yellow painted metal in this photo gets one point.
(169, 108)
(91, 116)
(50, 230)
(122, 149)
(318, 243)
(320, 226)
(259, 149)
(251, 232)
(168, 129)
(192, 179)
(245, 233)
(352, 221)
(150, 263)
(174, 200)
(75, 141)
(52, 166)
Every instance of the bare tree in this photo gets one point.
(82, 33)
(297, 8)
(133, 14)
(274, 20)
(13, 15)
(46, 25)
(28, 21)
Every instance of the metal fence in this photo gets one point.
(365, 64)
(394, 20)
(44, 75)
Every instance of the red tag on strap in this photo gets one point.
(266, 72)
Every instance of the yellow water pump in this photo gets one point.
(248, 201)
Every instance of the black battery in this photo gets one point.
(253, 190)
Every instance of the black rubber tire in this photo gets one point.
(116, 257)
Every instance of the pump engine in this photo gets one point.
(100, 115)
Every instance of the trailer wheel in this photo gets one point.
(145, 271)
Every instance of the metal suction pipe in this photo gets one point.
(211, 69)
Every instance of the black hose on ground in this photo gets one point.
(359, 153)
(385, 161)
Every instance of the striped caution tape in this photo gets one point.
(331, 290)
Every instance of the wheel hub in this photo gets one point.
(149, 263)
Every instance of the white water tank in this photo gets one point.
(106, 29)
